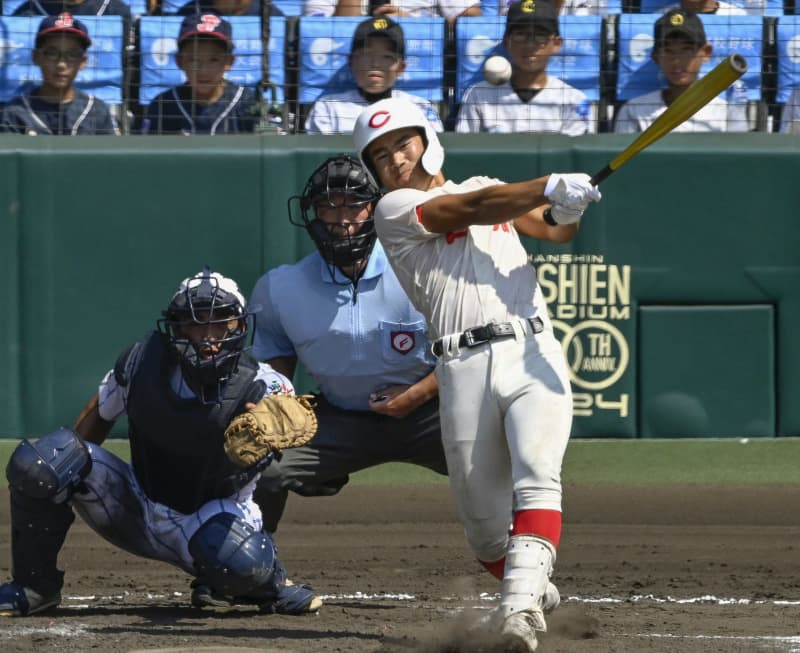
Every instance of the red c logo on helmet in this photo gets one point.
(379, 119)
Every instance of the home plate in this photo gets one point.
(210, 649)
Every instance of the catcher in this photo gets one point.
(181, 500)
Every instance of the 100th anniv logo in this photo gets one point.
(589, 300)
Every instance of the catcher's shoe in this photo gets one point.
(19, 601)
(204, 597)
(293, 599)
(518, 633)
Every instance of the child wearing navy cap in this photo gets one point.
(680, 48)
(206, 103)
(56, 106)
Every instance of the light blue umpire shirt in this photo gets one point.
(351, 348)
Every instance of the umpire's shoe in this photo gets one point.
(19, 601)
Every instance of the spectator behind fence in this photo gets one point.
(76, 8)
(532, 100)
(56, 106)
(377, 59)
(206, 103)
(717, 7)
(227, 8)
(571, 7)
(680, 49)
(448, 9)
(790, 118)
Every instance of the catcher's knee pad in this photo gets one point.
(53, 467)
(232, 556)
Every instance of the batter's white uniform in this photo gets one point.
(336, 113)
(557, 107)
(505, 406)
(165, 533)
(450, 9)
(790, 118)
(639, 113)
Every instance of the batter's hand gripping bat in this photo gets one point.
(725, 73)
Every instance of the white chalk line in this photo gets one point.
(709, 599)
(76, 602)
(773, 641)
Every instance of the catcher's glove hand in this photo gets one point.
(274, 423)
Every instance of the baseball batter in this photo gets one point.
(180, 500)
(506, 405)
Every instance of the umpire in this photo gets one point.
(342, 313)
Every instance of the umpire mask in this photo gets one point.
(331, 211)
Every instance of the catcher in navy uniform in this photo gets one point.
(206, 103)
(181, 500)
(56, 106)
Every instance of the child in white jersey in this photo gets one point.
(532, 100)
(680, 49)
(377, 59)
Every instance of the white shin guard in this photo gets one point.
(529, 564)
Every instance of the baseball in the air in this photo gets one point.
(497, 70)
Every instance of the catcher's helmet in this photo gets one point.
(340, 181)
(206, 299)
(390, 115)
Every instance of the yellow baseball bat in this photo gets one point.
(725, 73)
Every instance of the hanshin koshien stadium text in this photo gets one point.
(584, 287)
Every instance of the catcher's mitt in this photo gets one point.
(276, 422)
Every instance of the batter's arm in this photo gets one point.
(490, 205)
(90, 426)
(533, 224)
(285, 365)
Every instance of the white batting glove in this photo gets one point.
(573, 191)
(560, 214)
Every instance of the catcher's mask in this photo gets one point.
(206, 324)
(342, 183)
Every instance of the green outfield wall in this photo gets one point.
(678, 304)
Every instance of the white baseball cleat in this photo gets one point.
(551, 599)
(492, 620)
(518, 633)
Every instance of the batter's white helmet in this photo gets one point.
(389, 115)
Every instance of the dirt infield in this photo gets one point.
(657, 570)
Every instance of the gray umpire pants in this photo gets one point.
(346, 442)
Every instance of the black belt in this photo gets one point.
(481, 335)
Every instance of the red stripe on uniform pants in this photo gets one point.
(495, 568)
(544, 523)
